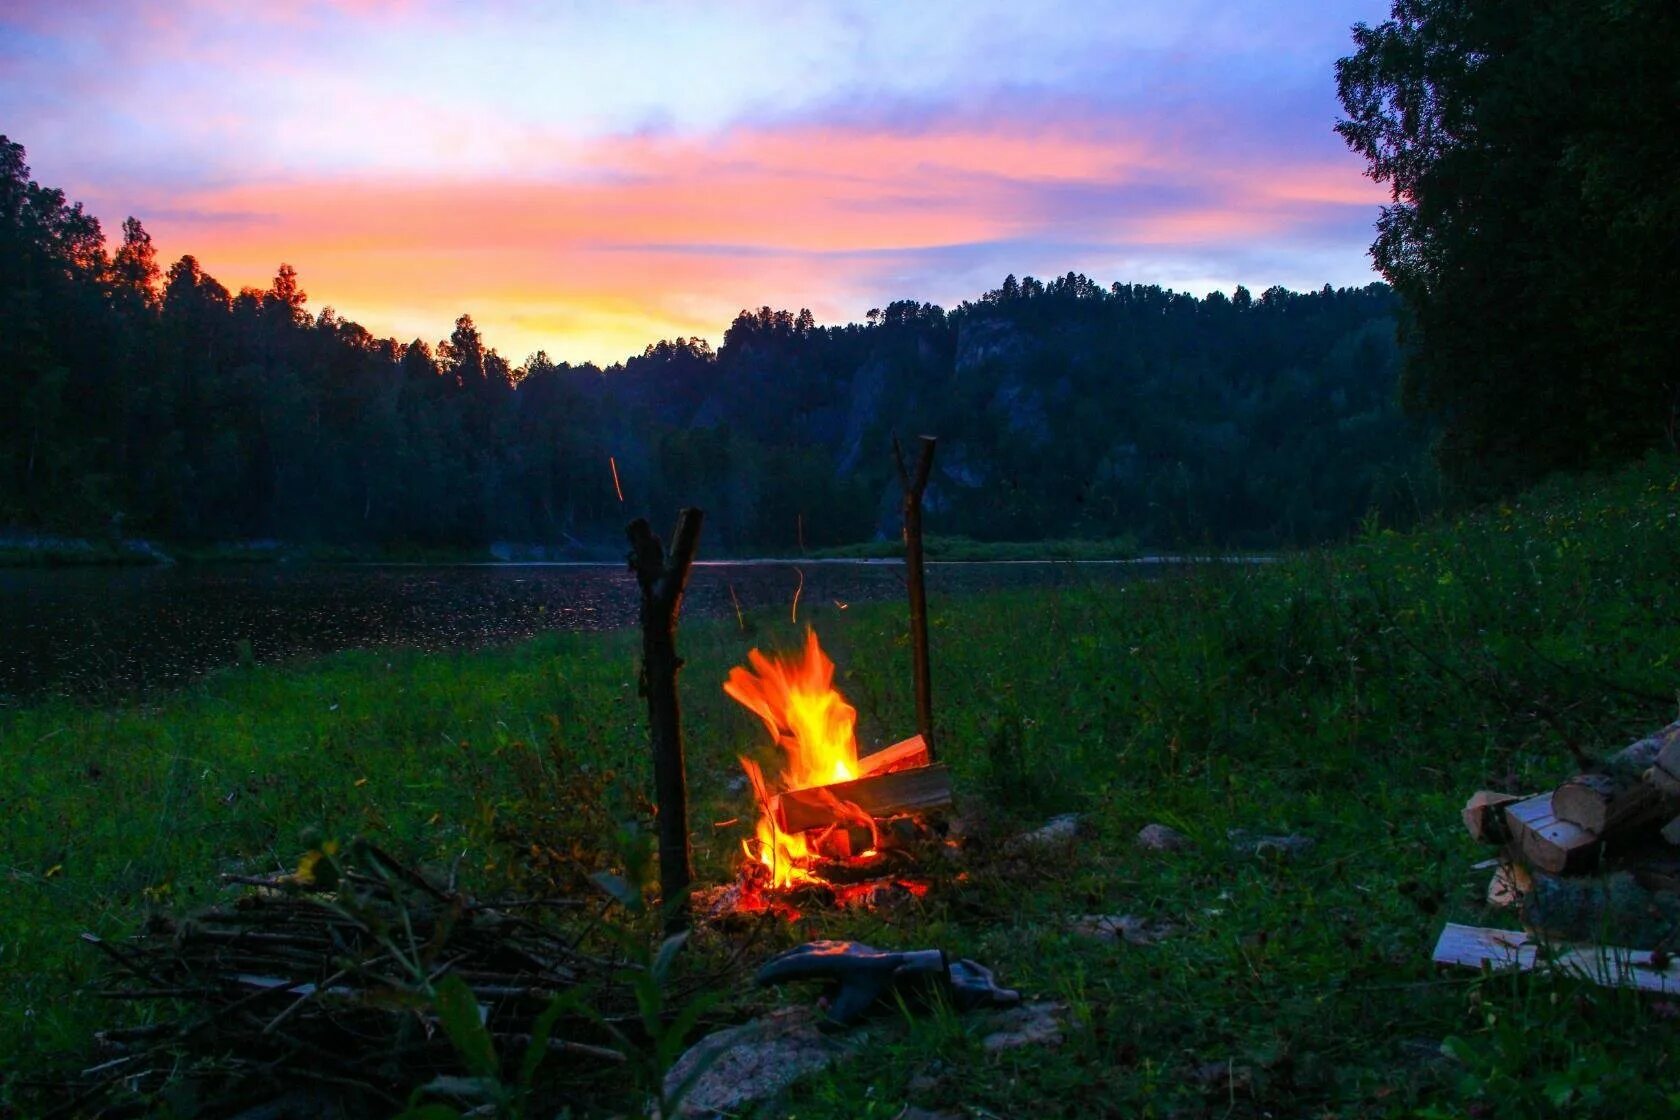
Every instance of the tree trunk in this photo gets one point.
(663, 579)
(914, 485)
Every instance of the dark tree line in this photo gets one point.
(1535, 231)
(156, 402)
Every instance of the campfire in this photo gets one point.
(830, 822)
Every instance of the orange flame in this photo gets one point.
(803, 712)
(812, 723)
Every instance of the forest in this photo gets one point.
(145, 401)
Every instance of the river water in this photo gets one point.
(113, 632)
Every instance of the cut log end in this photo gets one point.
(1547, 843)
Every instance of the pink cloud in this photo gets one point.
(643, 237)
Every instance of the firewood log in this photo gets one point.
(1484, 816)
(880, 795)
(911, 753)
(1548, 844)
(1614, 908)
(1617, 800)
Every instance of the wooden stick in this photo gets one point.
(663, 579)
(913, 486)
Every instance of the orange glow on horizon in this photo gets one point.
(662, 237)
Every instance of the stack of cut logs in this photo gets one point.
(1598, 858)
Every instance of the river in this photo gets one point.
(121, 632)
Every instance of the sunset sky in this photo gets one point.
(586, 178)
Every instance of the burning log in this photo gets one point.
(916, 790)
(900, 756)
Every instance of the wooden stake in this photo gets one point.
(914, 485)
(663, 579)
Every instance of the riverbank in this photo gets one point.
(1350, 696)
(29, 550)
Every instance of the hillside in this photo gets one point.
(146, 402)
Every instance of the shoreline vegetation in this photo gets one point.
(23, 550)
(1349, 695)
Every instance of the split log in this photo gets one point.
(1547, 843)
(1484, 816)
(1508, 885)
(910, 753)
(1617, 800)
(881, 795)
(1665, 770)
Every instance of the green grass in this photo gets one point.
(1355, 695)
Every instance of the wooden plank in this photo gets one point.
(1484, 816)
(910, 753)
(1605, 965)
(1548, 843)
(881, 795)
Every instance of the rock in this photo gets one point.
(1222, 1077)
(1129, 928)
(1161, 838)
(1031, 1024)
(1057, 830)
(755, 1061)
(1278, 847)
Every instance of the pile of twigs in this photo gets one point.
(323, 983)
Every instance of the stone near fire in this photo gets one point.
(1278, 847)
(1129, 928)
(1162, 838)
(1031, 1024)
(1056, 831)
(754, 1062)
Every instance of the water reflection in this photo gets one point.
(123, 631)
